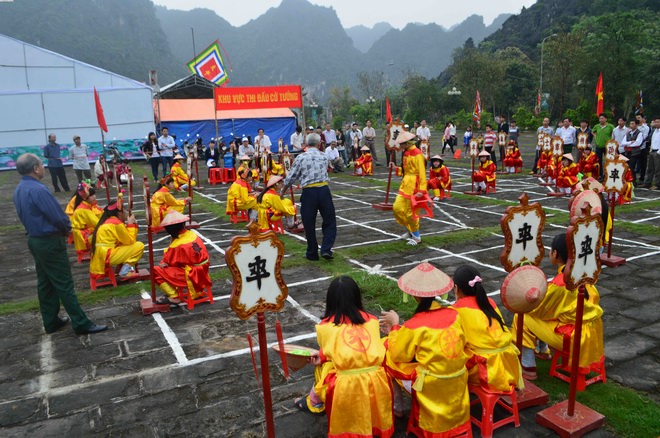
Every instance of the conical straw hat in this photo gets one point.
(523, 289)
(173, 217)
(404, 137)
(569, 157)
(425, 281)
(274, 179)
(484, 154)
(365, 148)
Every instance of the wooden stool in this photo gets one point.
(215, 176)
(239, 216)
(423, 205)
(561, 369)
(488, 402)
(205, 296)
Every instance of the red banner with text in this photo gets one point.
(237, 98)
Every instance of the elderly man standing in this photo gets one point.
(47, 227)
(369, 136)
(55, 165)
(311, 169)
(79, 153)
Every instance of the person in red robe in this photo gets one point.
(567, 177)
(588, 165)
(485, 174)
(439, 178)
(364, 165)
(512, 158)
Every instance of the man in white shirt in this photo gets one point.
(369, 137)
(423, 132)
(79, 154)
(645, 130)
(567, 133)
(632, 147)
(620, 133)
(263, 142)
(245, 148)
(652, 179)
(167, 145)
(329, 135)
(353, 140)
(334, 159)
(297, 140)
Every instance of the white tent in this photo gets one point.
(42, 92)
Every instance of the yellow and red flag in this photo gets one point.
(600, 105)
(209, 64)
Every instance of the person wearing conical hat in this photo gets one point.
(427, 356)
(546, 165)
(439, 178)
(185, 262)
(627, 184)
(413, 170)
(240, 195)
(115, 243)
(494, 364)
(245, 163)
(274, 169)
(364, 165)
(485, 173)
(179, 175)
(271, 207)
(567, 177)
(588, 164)
(85, 217)
(512, 158)
(163, 202)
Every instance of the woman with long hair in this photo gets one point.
(162, 201)
(273, 208)
(150, 150)
(85, 216)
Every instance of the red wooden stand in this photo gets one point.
(472, 192)
(556, 193)
(386, 206)
(609, 260)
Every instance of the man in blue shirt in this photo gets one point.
(47, 227)
(55, 165)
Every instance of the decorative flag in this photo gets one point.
(600, 105)
(209, 65)
(388, 110)
(476, 114)
(537, 108)
(99, 112)
(639, 107)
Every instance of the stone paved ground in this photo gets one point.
(188, 373)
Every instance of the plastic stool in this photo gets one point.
(238, 216)
(205, 296)
(83, 256)
(490, 186)
(94, 282)
(215, 176)
(488, 401)
(421, 205)
(561, 369)
(228, 174)
(276, 226)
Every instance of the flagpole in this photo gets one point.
(105, 170)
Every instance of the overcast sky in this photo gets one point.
(366, 12)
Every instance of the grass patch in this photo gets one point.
(11, 229)
(378, 291)
(482, 199)
(644, 229)
(212, 207)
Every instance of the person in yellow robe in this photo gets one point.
(85, 217)
(350, 380)
(365, 164)
(413, 184)
(180, 177)
(273, 167)
(163, 202)
(556, 316)
(114, 243)
(240, 195)
(494, 364)
(273, 208)
(429, 350)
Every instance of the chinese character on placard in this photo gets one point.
(614, 174)
(585, 249)
(522, 224)
(395, 134)
(583, 239)
(257, 271)
(524, 235)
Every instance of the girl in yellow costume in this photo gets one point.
(364, 165)
(556, 316)
(85, 217)
(273, 167)
(351, 382)
(494, 364)
(179, 175)
(272, 207)
(162, 202)
(240, 195)
(413, 183)
(429, 350)
(114, 243)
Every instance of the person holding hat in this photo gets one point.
(213, 155)
(115, 243)
(185, 262)
(364, 165)
(351, 383)
(85, 216)
(245, 148)
(427, 354)
(240, 195)
(567, 177)
(485, 173)
(588, 164)
(494, 364)
(271, 207)
(163, 202)
(179, 175)
(439, 178)
(79, 154)
(556, 316)
(512, 158)
(413, 183)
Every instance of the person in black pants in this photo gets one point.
(55, 164)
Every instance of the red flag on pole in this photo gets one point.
(599, 94)
(388, 110)
(476, 114)
(99, 112)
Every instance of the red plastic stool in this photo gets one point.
(276, 226)
(421, 207)
(490, 186)
(488, 402)
(238, 216)
(444, 194)
(561, 369)
(206, 296)
(228, 174)
(83, 256)
(95, 280)
(215, 176)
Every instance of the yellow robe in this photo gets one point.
(430, 350)
(162, 202)
(273, 207)
(116, 244)
(70, 207)
(179, 176)
(84, 220)
(274, 169)
(494, 365)
(557, 313)
(414, 180)
(352, 381)
(239, 198)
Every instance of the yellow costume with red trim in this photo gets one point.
(588, 166)
(494, 365)
(352, 381)
(272, 207)
(274, 169)
(365, 162)
(180, 176)
(439, 179)
(485, 172)
(429, 349)
(116, 244)
(163, 202)
(627, 189)
(71, 207)
(413, 169)
(187, 263)
(513, 158)
(556, 316)
(567, 177)
(84, 220)
(239, 198)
